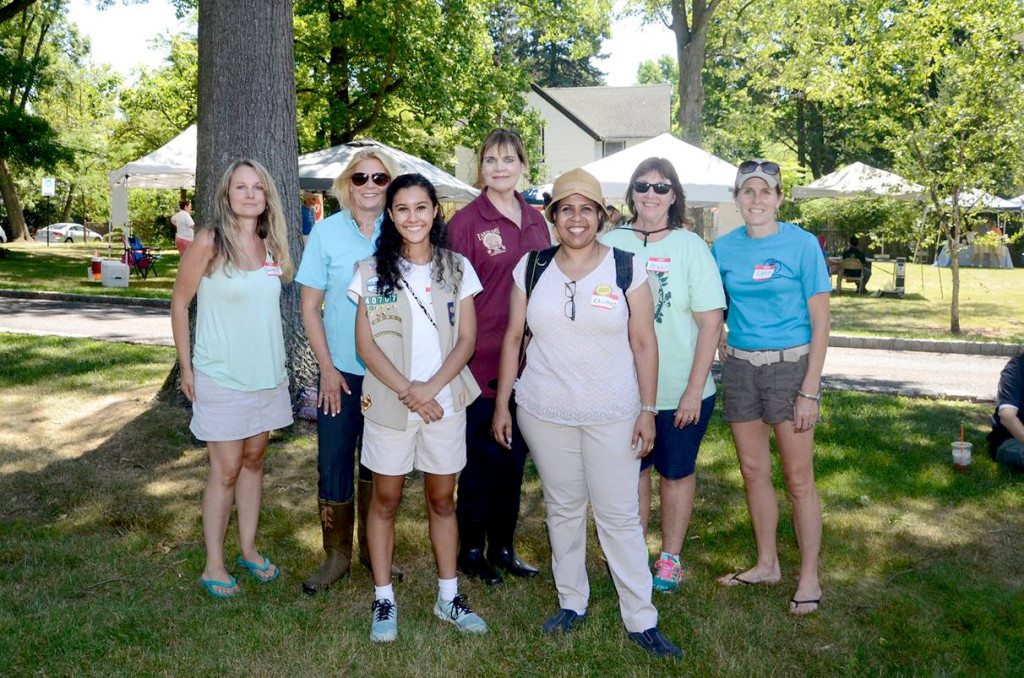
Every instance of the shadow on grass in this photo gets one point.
(918, 566)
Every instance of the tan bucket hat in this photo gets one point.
(575, 181)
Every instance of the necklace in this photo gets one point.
(646, 234)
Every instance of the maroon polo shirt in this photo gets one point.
(494, 245)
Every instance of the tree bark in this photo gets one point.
(691, 52)
(247, 110)
(15, 212)
(65, 212)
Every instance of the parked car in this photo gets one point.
(67, 233)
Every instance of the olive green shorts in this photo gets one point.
(765, 392)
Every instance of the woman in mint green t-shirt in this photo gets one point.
(688, 303)
(235, 374)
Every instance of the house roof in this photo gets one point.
(642, 111)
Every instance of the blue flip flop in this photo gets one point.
(259, 572)
(230, 584)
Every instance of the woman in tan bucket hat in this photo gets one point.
(586, 402)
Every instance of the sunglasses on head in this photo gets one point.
(768, 167)
(644, 186)
(379, 178)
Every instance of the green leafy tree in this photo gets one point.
(30, 41)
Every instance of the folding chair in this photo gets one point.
(850, 271)
(141, 260)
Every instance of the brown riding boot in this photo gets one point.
(336, 520)
(365, 491)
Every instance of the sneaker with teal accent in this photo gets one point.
(668, 574)
(384, 621)
(459, 613)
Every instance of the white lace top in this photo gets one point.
(580, 371)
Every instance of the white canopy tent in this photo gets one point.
(860, 179)
(977, 199)
(706, 178)
(317, 170)
(173, 165)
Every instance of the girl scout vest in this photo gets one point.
(391, 326)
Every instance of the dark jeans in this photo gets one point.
(337, 440)
(489, 487)
(1011, 453)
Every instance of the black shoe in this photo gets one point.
(562, 622)
(655, 642)
(473, 564)
(506, 559)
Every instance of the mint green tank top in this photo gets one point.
(239, 338)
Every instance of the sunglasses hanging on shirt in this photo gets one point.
(379, 178)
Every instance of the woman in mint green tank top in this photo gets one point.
(235, 374)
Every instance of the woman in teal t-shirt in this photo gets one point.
(778, 287)
(688, 303)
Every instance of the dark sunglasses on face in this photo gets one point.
(643, 187)
(768, 167)
(379, 178)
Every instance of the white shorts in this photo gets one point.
(438, 448)
(221, 414)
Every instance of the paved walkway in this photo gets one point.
(968, 377)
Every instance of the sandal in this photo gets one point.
(259, 572)
(230, 584)
(797, 603)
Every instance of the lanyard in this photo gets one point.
(418, 302)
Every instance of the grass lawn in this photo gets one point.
(100, 549)
(62, 268)
(990, 303)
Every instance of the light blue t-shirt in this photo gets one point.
(684, 279)
(769, 281)
(334, 248)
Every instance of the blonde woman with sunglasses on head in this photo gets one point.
(778, 326)
(235, 376)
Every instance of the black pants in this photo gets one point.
(337, 440)
(489, 487)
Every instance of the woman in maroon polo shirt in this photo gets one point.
(493, 232)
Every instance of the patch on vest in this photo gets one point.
(451, 313)
(365, 402)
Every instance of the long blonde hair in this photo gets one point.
(341, 184)
(270, 225)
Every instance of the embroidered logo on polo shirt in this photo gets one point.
(492, 241)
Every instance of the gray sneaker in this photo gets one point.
(458, 612)
(383, 621)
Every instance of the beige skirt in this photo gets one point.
(220, 414)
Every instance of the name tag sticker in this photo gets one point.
(272, 269)
(604, 298)
(764, 272)
(658, 264)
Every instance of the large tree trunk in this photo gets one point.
(15, 213)
(691, 31)
(65, 213)
(954, 265)
(247, 110)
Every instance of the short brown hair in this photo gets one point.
(500, 137)
(677, 210)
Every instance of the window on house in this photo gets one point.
(611, 147)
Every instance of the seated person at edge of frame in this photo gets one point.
(854, 252)
(1006, 441)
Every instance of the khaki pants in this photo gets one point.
(595, 463)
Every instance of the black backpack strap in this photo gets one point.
(623, 273)
(536, 263)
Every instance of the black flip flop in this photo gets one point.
(816, 602)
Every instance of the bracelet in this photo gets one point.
(815, 398)
(649, 408)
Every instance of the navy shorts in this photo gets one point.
(675, 449)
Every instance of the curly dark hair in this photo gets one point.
(677, 211)
(390, 244)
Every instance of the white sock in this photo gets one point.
(384, 592)
(447, 589)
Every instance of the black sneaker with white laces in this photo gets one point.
(655, 642)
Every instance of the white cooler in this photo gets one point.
(114, 273)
